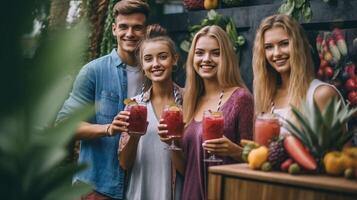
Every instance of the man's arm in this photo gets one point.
(88, 131)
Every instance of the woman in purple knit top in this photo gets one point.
(212, 76)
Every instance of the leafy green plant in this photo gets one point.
(299, 8)
(32, 151)
(213, 18)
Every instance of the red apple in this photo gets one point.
(328, 72)
(351, 84)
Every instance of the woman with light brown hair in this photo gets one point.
(213, 82)
(283, 68)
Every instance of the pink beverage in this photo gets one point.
(213, 124)
(173, 118)
(137, 119)
(266, 127)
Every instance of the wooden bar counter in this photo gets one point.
(238, 182)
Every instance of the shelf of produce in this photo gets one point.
(237, 181)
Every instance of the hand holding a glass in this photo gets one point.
(136, 117)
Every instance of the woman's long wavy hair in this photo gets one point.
(266, 79)
(228, 73)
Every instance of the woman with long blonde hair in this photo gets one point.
(283, 68)
(213, 82)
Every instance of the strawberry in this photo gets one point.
(299, 153)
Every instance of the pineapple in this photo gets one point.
(322, 131)
(277, 153)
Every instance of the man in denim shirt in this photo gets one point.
(106, 82)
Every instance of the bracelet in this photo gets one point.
(107, 131)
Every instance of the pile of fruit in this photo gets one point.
(288, 154)
(335, 65)
(315, 143)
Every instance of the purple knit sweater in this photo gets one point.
(238, 113)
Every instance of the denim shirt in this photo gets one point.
(102, 82)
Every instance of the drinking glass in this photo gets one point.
(137, 119)
(266, 127)
(212, 124)
(173, 118)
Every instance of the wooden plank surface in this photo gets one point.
(333, 184)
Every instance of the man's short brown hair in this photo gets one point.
(128, 7)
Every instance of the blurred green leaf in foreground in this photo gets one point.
(33, 150)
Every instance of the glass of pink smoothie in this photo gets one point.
(266, 127)
(212, 128)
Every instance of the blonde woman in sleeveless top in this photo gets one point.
(283, 68)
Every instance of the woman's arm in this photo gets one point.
(127, 150)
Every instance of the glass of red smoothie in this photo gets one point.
(212, 128)
(173, 118)
(137, 118)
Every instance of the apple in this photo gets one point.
(328, 72)
(351, 84)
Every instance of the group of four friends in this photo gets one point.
(138, 167)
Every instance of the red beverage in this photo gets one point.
(137, 119)
(212, 123)
(173, 118)
(266, 127)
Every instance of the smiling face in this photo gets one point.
(157, 61)
(129, 30)
(277, 49)
(206, 57)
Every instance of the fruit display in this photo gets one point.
(315, 145)
(336, 65)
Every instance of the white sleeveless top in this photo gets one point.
(285, 112)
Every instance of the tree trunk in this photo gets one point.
(58, 14)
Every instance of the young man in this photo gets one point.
(106, 82)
